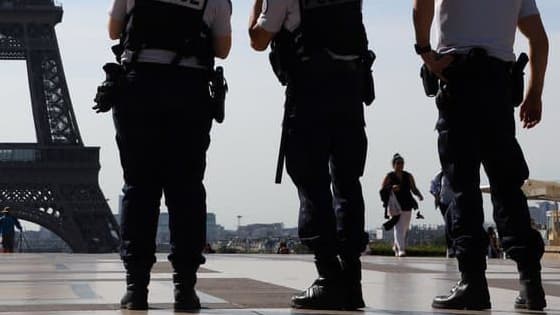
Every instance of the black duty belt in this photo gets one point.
(323, 62)
(478, 57)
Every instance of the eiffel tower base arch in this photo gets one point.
(53, 182)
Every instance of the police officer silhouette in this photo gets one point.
(162, 120)
(479, 86)
(318, 51)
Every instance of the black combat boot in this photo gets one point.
(136, 296)
(352, 277)
(185, 294)
(470, 293)
(531, 293)
(327, 292)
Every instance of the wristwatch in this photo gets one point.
(420, 50)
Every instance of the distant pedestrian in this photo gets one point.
(443, 195)
(402, 184)
(283, 248)
(208, 249)
(7, 224)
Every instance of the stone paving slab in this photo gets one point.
(44, 284)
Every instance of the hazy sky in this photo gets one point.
(242, 156)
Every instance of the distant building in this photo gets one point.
(214, 231)
(290, 232)
(538, 213)
(261, 230)
(163, 236)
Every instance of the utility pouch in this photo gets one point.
(430, 81)
(218, 90)
(518, 74)
(368, 92)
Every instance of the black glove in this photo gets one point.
(108, 93)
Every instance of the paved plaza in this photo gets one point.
(42, 284)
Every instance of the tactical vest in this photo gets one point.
(335, 25)
(174, 25)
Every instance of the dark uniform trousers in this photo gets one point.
(326, 149)
(476, 126)
(163, 126)
(8, 241)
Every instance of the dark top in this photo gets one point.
(404, 195)
(7, 224)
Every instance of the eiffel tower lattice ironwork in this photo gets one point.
(53, 182)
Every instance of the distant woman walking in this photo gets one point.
(402, 184)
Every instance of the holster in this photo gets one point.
(110, 91)
(518, 74)
(118, 51)
(283, 56)
(218, 90)
(277, 67)
(430, 81)
(368, 90)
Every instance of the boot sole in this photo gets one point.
(183, 308)
(539, 308)
(353, 308)
(462, 307)
(318, 307)
(134, 307)
(335, 308)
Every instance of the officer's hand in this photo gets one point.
(437, 64)
(531, 111)
(104, 98)
(396, 188)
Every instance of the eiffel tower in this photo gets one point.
(54, 182)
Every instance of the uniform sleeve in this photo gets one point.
(221, 25)
(528, 8)
(117, 10)
(273, 15)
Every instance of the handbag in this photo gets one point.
(393, 205)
